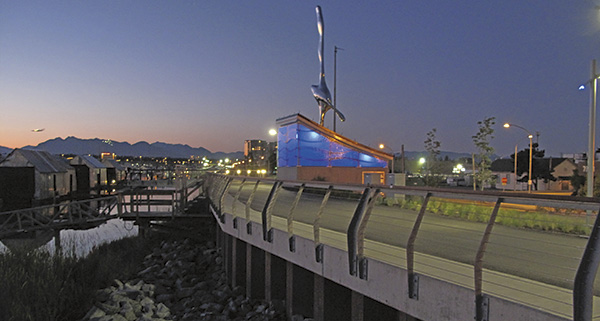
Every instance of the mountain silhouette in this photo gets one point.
(96, 146)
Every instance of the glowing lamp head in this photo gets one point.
(506, 125)
(382, 146)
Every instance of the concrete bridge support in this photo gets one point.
(255, 272)
(268, 277)
(275, 277)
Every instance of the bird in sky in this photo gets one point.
(37, 130)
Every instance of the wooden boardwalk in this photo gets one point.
(140, 205)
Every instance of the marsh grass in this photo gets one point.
(36, 285)
(544, 219)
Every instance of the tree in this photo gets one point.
(432, 145)
(539, 169)
(482, 142)
(577, 181)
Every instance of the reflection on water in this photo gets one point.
(78, 242)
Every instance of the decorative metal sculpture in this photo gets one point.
(320, 91)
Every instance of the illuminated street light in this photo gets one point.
(272, 132)
(422, 160)
(529, 181)
(382, 146)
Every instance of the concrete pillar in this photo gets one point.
(375, 311)
(319, 298)
(219, 236)
(227, 255)
(299, 291)
(238, 262)
(331, 300)
(275, 278)
(358, 306)
(255, 272)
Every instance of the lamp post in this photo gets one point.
(336, 48)
(591, 156)
(272, 132)
(515, 182)
(382, 146)
(507, 125)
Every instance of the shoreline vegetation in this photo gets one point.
(37, 285)
(565, 221)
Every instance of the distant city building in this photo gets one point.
(257, 152)
(105, 155)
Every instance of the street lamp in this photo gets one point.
(591, 157)
(382, 146)
(507, 125)
(272, 132)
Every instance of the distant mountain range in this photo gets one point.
(78, 146)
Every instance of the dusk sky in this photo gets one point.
(214, 73)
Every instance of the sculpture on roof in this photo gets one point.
(320, 91)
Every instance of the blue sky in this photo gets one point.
(213, 73)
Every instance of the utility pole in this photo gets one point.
(334, 84)
(591, 156)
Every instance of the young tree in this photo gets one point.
(432, 145)
(482, 142)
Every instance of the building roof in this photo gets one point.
(111, 163)
(88, 160)
(508, 165)
(42, 161)
(298, 118)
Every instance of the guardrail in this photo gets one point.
(545, 242)
(65, 215)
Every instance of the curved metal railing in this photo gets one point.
(541, 250)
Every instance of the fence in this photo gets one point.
(65, 215)
(532, 249)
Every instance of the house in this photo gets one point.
(308, 151)
(504, 170)
(561, 169)
(115, 172)
(90, 173)
(30, 178)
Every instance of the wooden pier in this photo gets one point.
(142, 205)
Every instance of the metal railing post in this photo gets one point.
(235, 199)
(267, 210)
(248, 204)
(481, 301)
(352, 232)
(290, 219)
(413, 279)
(317, 226)
(360, 236)
(583, 289)
(222, 199)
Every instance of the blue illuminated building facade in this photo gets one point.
(308, 151)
